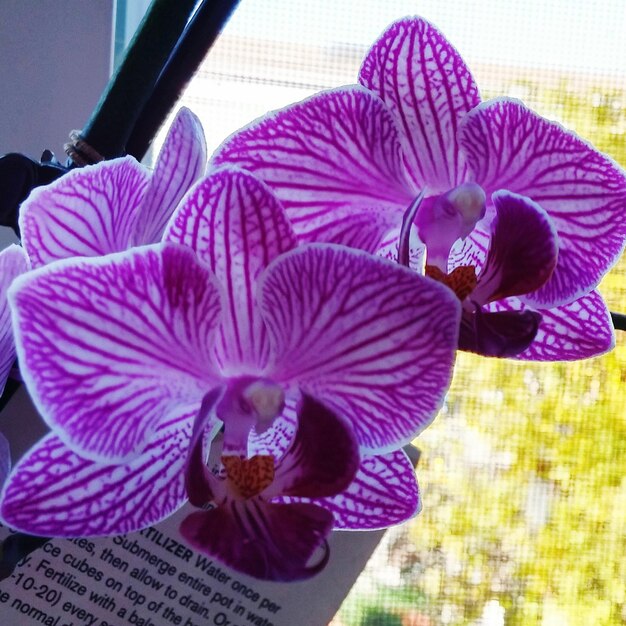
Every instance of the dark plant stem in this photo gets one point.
(116, 114)
(193, 46)
(619, 320)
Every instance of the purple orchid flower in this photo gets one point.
(118, 353)
(347, 163)
(116, 204)
(268, 515)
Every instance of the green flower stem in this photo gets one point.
(110, 125)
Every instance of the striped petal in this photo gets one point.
(370, 339)
(579, 330)
(54, 492)
(90, 211)
(236, 225)
(13, 262)
(108, 347)
(181, 162)
(335, 163)
(584, 193)
(384, 493)
(425, 83)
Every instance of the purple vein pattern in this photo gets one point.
(384, 492)
(235, 225)
(104, 340)
(362, 335)
(509, 146)
(577, 330)
(58, 493)
(335, 163)
(113, 205)
(119, 351)
(426, 84)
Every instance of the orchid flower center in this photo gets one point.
(249, 477)
(462, 280)
(248, 403)
(444, 219)
(266, 399)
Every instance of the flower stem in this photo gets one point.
(200, 34)
(619, 320)
(110, 125)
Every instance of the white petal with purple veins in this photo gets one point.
(579, 330)
(425, 83)
(335, 163)
(53, 491)
(384, 493)
(510, 147)
(369, 338)
(180, 163)
(108, 347)
(90, 211)
(237, 226)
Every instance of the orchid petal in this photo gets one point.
(499, 334)
(267, 541)
(54, 492)
(322, 459)
(522, 253)
(235, 224)
(370, 339)
(109, 346)
(383, 493)
(584, 193)
(13, 262)
(333, 157)
(90, 211)
(425, 83)
(180, 163)
(579, 330)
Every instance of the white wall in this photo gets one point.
(55, 59)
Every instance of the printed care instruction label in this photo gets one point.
(151, 578)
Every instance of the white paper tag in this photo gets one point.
(152, 578)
